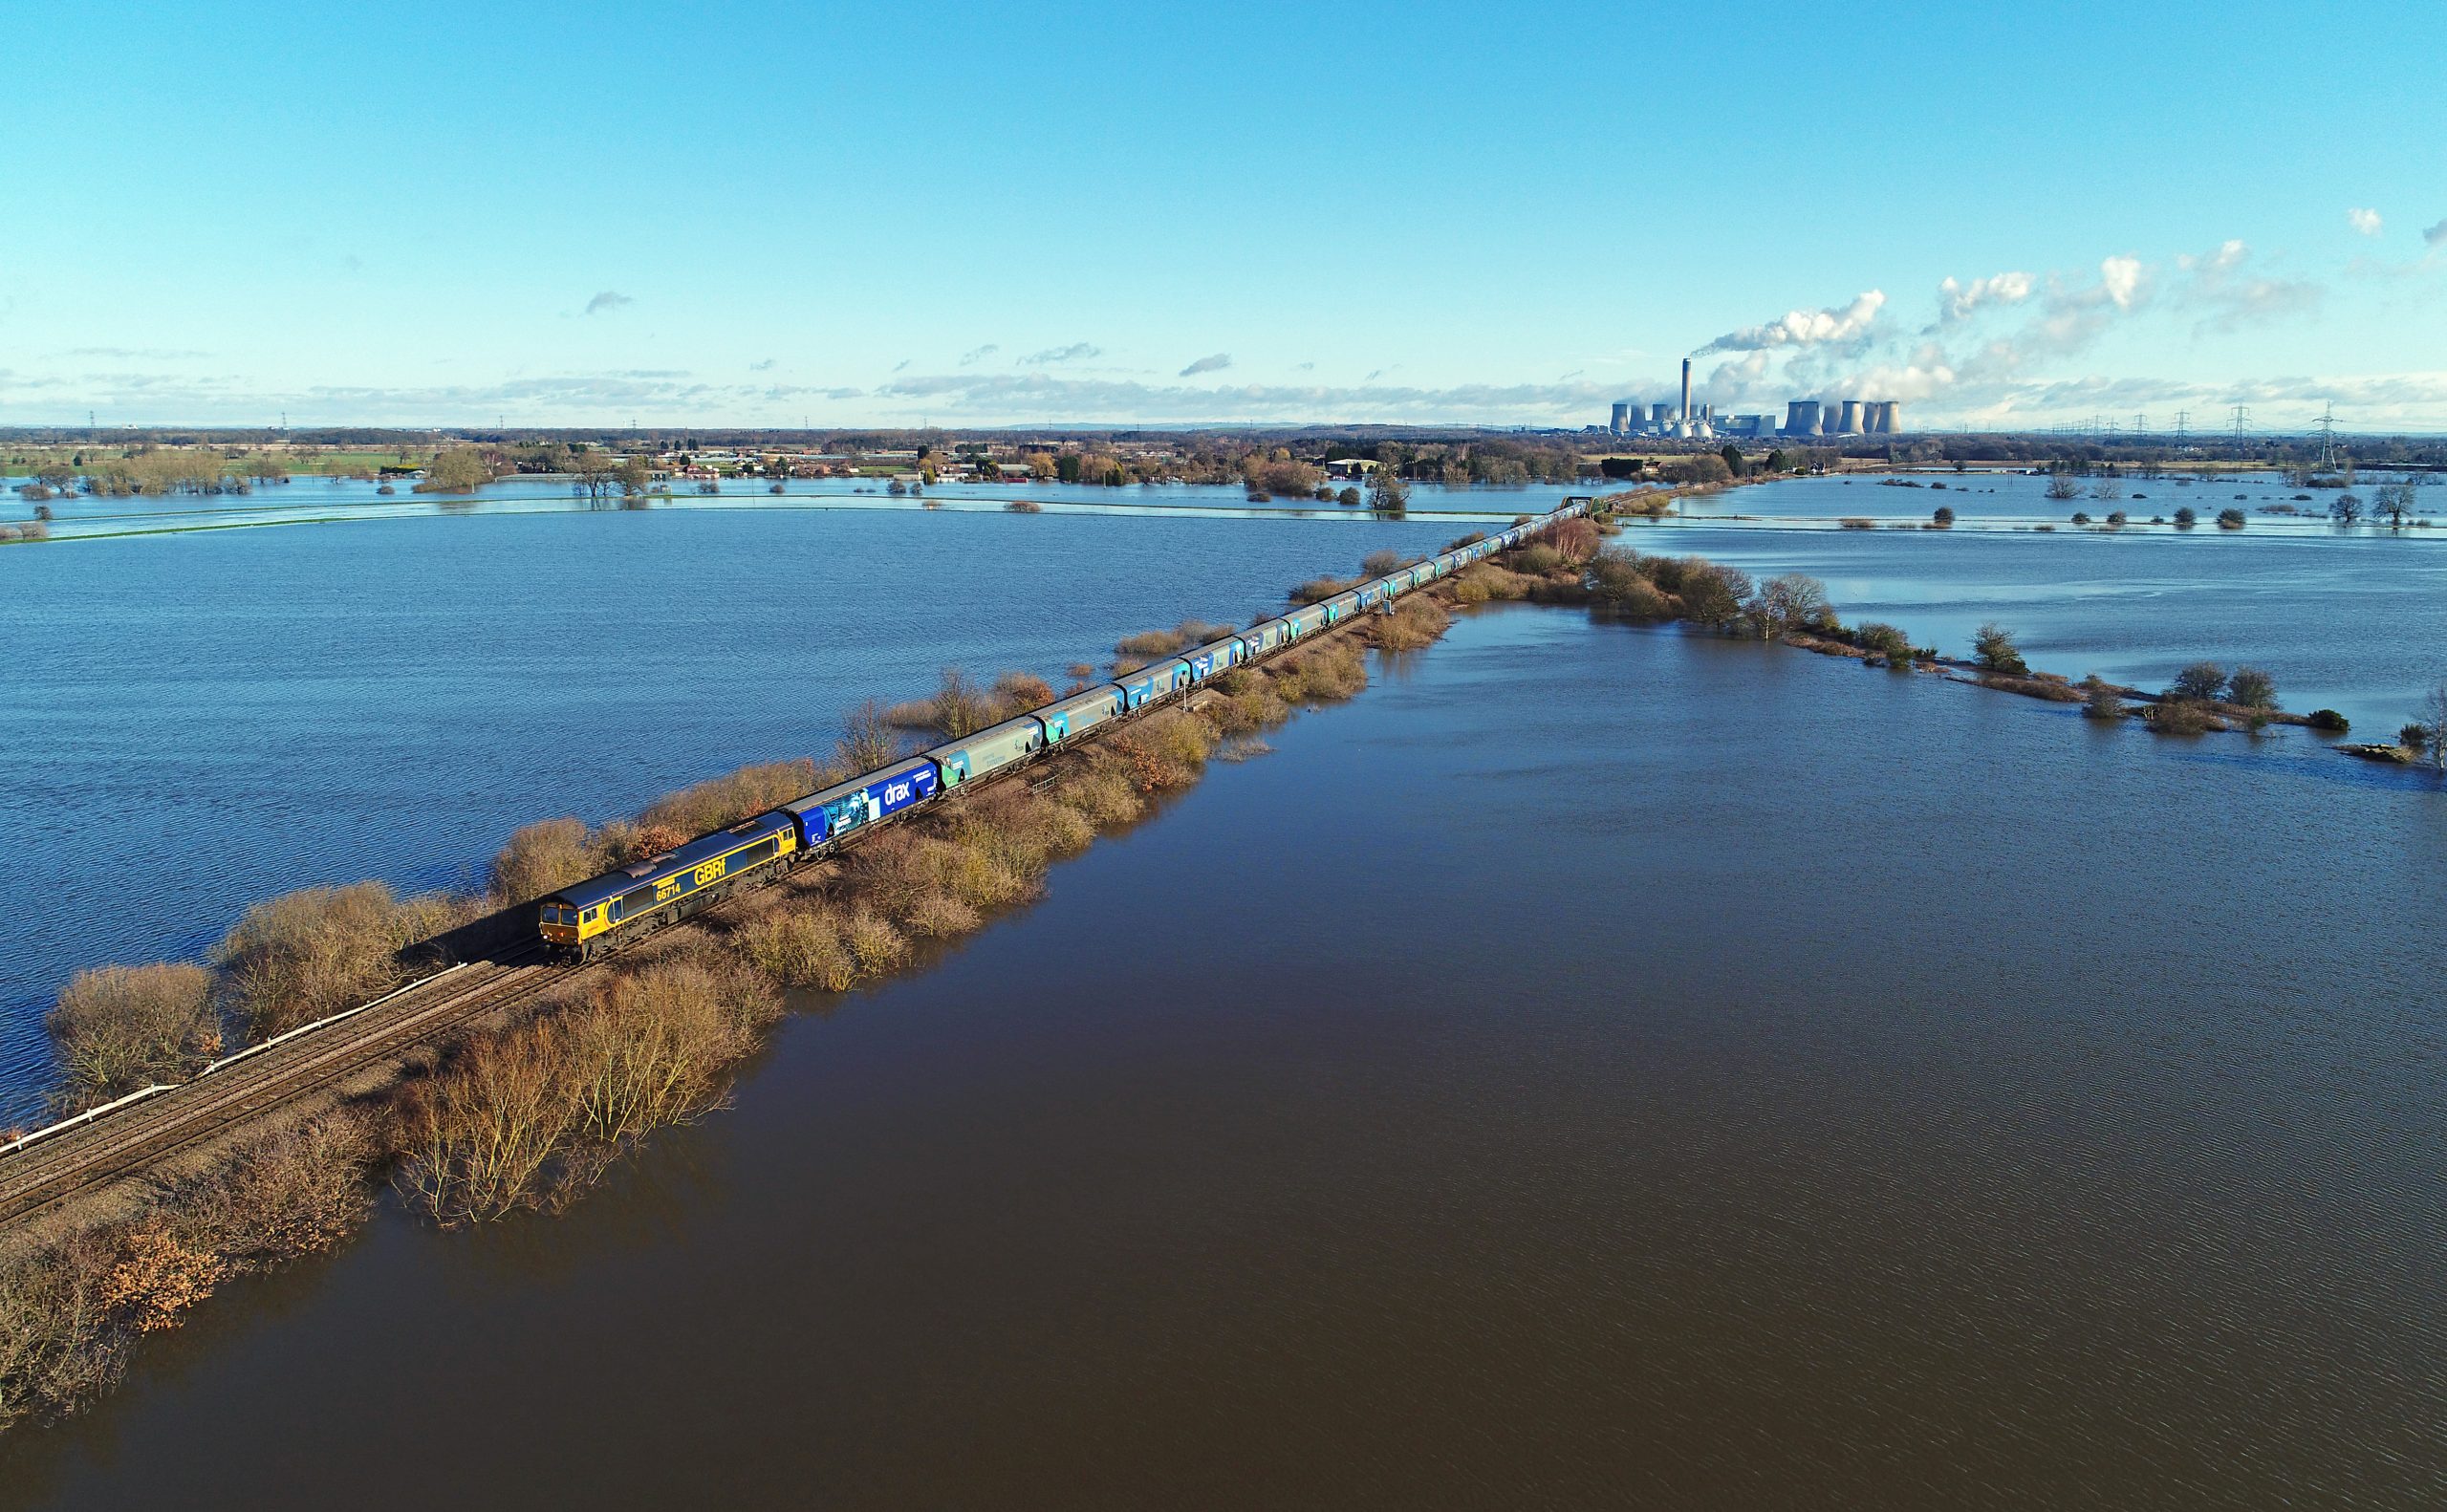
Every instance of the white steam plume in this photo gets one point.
(1803, 328)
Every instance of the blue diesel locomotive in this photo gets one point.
(604, 911)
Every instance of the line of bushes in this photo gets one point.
(288, 960)
(530, 1114)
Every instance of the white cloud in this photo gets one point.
(1214, 363)
(976, 354)
(2366, 222)
(608, 299)
(1075, 352)
(2232, 298)
(2121, 276)
(2435, 235)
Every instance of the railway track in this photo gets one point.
(39, 1177)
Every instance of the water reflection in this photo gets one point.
(1597, 1066)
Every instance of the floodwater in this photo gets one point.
(1599, 1067)
(194, 721)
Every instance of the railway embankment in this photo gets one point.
(518, 1086)
(512, 1085)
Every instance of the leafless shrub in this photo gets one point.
(655, 1048)
(306, 955)
(59, 1344)
(118, 1028)
(1150, 643)
(1018, 692)
(284, 1193)
(867, 739)
(480, 1139)
(543, 857)
(1415, 621)
(1322, 674)
(801, 947)
(1575, 541)
(1101, 795)
(874, 946)
(2180, 717)
(938, 916)
(957, 709)
(726, 800)
(1317, 590)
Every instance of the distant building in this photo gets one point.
(1801, 418)
(1659, 416)
(1621, 419)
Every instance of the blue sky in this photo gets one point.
(758, 214)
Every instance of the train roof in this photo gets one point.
(991, 735)
(686, 859)
(1085, 699)
(858, 784)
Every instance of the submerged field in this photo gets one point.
(1597, 1057)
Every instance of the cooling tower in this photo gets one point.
(1850, 423)
(1621, 419)
(1801, 416)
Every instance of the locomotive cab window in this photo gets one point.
(560, 913)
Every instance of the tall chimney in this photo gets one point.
(1686, 388)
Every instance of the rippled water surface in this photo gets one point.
(1597, 1068)
(196, 720)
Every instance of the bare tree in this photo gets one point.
(1788, 603)
(868, 739)
(2434, 711)
(594, 477)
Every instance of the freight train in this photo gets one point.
(602, 912)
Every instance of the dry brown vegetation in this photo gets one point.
(2047, 685)
(1574, 541)
(119, 1029)
(72, 1308)
(1415, 621)
(1317, 590)
(530, 1114)
(726, 800)
(543, 857)
(307, 955)
(1150, 644)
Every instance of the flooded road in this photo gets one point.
(1598, 1066)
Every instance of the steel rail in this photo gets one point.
(122, 1138)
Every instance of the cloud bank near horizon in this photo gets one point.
(1992, 349)
(2377, 402)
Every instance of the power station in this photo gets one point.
(1803, 416)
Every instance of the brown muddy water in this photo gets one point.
(1598, 1068)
